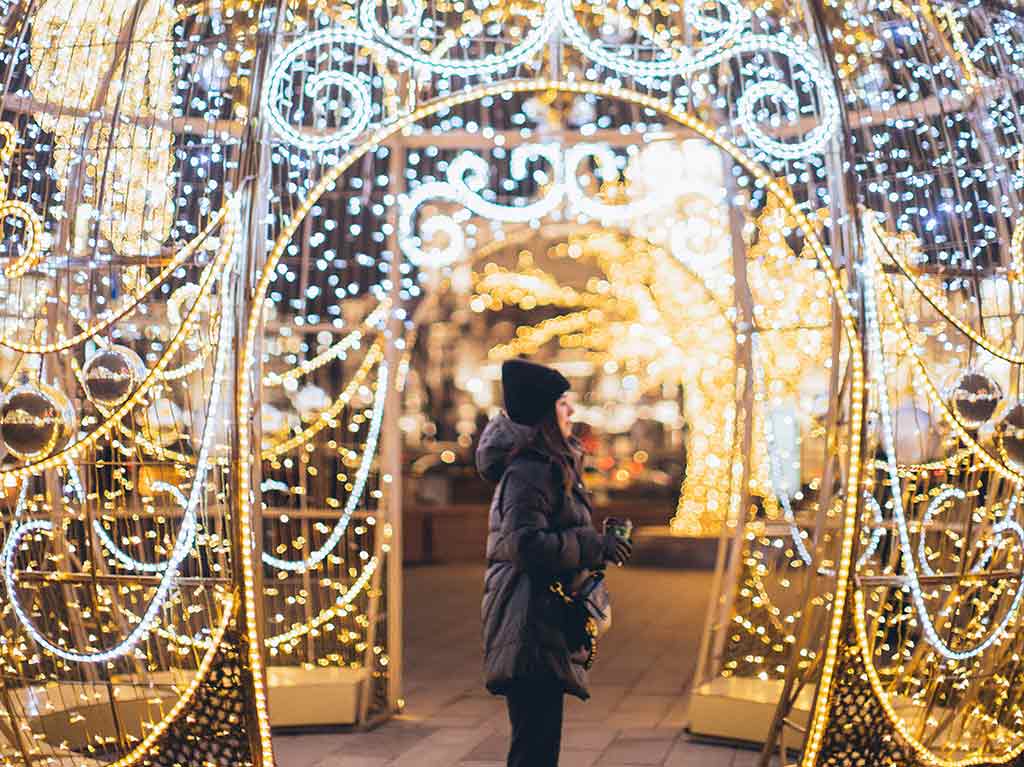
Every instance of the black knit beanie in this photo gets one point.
(531, 390)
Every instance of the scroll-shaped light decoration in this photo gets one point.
(318, 95)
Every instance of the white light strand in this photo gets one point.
(343, 599)
(188, 528)
(683, 62)
(774, 469)
(997, 539)
(532, 43)
(279, 83)
(876, 534)
(126, 560)
(351, 340)
(354, 496)
(466, 179)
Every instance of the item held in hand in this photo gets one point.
(620, 528)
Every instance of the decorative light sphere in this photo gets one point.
(1009, 436)
(34, 420)
(974, 396)
(112, 374)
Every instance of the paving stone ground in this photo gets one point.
(639, 685)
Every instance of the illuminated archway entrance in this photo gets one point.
(786, 235)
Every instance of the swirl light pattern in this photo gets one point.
(467, 178)
(341, 101)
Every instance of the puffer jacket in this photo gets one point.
(537, 533)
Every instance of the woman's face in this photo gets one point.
(563, 414)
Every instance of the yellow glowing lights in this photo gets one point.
(210, 274)
(31, 223)
(666, 286)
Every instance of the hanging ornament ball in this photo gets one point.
(1009, 436)
(34, 420)
(974, 397)
(112, 374)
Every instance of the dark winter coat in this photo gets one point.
(538, 533)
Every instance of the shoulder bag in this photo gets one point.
(587, 614)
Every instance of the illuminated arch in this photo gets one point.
(777, 190)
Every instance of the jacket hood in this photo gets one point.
(500, 437)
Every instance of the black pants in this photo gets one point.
(535, 712)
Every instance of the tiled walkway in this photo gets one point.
(639, 685)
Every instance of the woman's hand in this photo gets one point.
(616, 549)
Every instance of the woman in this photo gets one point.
(540, 532)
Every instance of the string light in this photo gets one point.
(937, 303)
(186, 697)
(30, 220)
(771, 187)
(333, 352)
(135, 301)
(778, 484)
(934, 508)
(83, 443)
(558, 16)
(329, 414)
(354, 496)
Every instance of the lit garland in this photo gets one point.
(775, 189)
(331, 76)
(78, 446)
(143, 748)
(354, 496)
(130, 161)
(467, 177)
(137, 299)
(30, 220)
(333, 352)
(327, 417)
(937, 303)
(888, 440)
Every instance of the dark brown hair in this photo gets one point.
(565, 454)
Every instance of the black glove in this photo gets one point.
(617, 550)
